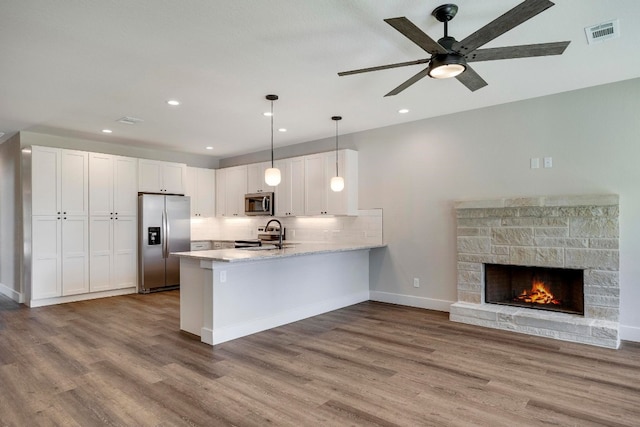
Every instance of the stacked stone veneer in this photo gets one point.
(579, 232)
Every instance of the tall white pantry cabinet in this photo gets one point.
(59, 222)
(81, 208)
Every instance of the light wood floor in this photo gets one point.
(122, 361)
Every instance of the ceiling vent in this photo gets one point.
(129, 120)
(602, 32)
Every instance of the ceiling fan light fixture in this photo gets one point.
(446, 66)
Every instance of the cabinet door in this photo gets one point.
(255, 177)
(46, 278)
(101, 253)
(100, 184)
(191, 189)
(221, 192)
(314, 185)
(45, 182)
(236, 190)
(75, 255)
(296, 175)
(283, 191)
(174, 176)
(336, 200)
(74, 182)
(125, 186)
(149, 176)
(125, 250)
(205, 192)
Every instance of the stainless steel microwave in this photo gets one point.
(259, 204)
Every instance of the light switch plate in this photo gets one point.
(535, 162)
(548, 162)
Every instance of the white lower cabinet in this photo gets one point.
(113, 253)
(60, 256)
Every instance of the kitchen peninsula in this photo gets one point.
(230, 293)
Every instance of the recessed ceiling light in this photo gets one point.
(106, 131)
(282, 130)
(173, 102)
(267, 114)
(209, 148)
(403, 111)
(1, 134)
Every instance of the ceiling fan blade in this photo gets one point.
(384, 67)
(416, 35)
(516, 16)
(522, 51)
(471, 79)
(422, 74)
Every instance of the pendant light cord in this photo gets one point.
(337, 148)
(336, 119)
(272, 134)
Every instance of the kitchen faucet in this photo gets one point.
(266, 227)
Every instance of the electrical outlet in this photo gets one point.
(223, 276)
(416, 282)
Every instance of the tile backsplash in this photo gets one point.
(365, 228)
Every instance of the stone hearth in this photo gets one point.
(578, 232)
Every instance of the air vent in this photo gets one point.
(604, 31)
(129, 120)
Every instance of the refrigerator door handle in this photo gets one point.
(164, 232)
(167, 228)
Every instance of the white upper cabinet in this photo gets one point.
(319, 169)
(59, 181)
(161, 177)
(221, 192)
(289, 195)
(113, 185)
(230, 191)
(255, 178)
(200, 188)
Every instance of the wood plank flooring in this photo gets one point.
(122, 361)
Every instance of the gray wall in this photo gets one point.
(416, 171)
(10, 217)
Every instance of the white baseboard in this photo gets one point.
(81, 297)
(9, 292)
(411, 301)
(629, 333)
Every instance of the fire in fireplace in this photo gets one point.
(555, 289)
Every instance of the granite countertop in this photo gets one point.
(289, 250)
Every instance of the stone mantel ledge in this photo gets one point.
(541, 201)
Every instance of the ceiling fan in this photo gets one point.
(451, 58)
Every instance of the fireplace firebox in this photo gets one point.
(554, 289)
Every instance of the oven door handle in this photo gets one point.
(265, 204)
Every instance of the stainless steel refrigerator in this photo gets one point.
(164, 227)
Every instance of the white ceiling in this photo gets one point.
(71, 67)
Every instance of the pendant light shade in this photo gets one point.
(337, 182)
(272, 175)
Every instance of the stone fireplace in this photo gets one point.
(544, 266)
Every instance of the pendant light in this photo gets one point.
(337, 182)
(272, 174)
